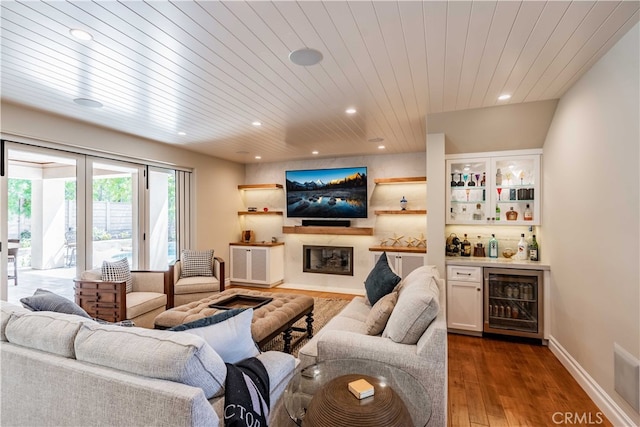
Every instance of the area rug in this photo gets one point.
(324, 309)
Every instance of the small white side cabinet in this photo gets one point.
(257, 264)
(402, 263)
(464, 299)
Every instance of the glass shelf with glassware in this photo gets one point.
(502, 187)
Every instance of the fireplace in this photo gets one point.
(328, 259)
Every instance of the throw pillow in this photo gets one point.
(44, 300)
(416, 308)
(381, 280)
(196, 263)
(228, 333)
(117, 271)
(379, 314)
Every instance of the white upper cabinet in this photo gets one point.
(501, 188)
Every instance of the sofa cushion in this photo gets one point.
(6, 309)
(228, 333)
(196, 263)
(196, 284)
(44, 300)
(183, 358)
(117, 271)
(416, 308)
(139, 303)
(379, 314)
(46, 331)
(381, 280)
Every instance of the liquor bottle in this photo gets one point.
(499, 177)
(484, 179)
(497, 212)
(522, 249)
(534, 250)
(528, 215)
(478, 214)
(493, 247)
(466, 247)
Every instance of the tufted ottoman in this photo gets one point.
(269, 320)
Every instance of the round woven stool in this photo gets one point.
(335, 406)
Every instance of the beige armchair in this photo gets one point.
(188, 289)
(109, 300)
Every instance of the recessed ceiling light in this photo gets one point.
(182, 133)
(256, 123)
(350, 111)
(314, 152)
(305, 56)
(377, 139)
(504, 97)
(86, 102)
(381, 147)
(258, 157)
(80, 34)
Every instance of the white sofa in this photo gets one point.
(65, 370)
(345, 337)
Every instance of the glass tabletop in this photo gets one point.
(318, 394)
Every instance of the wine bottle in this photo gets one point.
(493, 247)
(522, 248)
(528, 215)
(484, 181)
(534, 250)
(497, 212)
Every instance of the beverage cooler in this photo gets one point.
(513, 302)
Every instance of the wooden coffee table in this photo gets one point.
(318, 396)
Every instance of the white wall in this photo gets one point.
(380, 197)
(591, 213)
(216, 180)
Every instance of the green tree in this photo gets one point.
(112, 189)
(19, 190)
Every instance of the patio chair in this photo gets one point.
(12, 257)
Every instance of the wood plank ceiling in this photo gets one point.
(209, 69)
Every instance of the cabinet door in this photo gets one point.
(259, 265)
(408, 262)
(240, 256)
(468, 195)
(464, 305)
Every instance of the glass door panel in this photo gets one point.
(115, 215)
(41, 221)
(161, 218)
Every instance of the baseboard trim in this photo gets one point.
(603, 401)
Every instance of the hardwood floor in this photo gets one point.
(496, 382)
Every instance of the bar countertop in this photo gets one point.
(496, 262)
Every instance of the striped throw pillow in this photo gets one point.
(196, 263)
(117, 271)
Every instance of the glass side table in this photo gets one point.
(318, 395)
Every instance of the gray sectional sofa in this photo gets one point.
(65, 370)
(404, 343)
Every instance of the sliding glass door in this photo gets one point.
(161, 233)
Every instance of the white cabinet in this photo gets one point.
(502, 188)
(465, 298)
(402, 263)
(257, 264)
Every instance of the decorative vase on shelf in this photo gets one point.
(403, 203)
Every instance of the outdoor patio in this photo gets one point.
(58, 280)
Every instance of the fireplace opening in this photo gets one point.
(328, 259)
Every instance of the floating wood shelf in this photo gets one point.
(405, 180)
(400, 212)
(260, 213)
(354, 231)
(408, 249)
(258, 186)
(258, 244)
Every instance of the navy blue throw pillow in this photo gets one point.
(381, 280)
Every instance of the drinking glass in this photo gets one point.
(453, 180)
(499, 192)
(466, 177)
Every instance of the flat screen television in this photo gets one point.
(327, 193)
